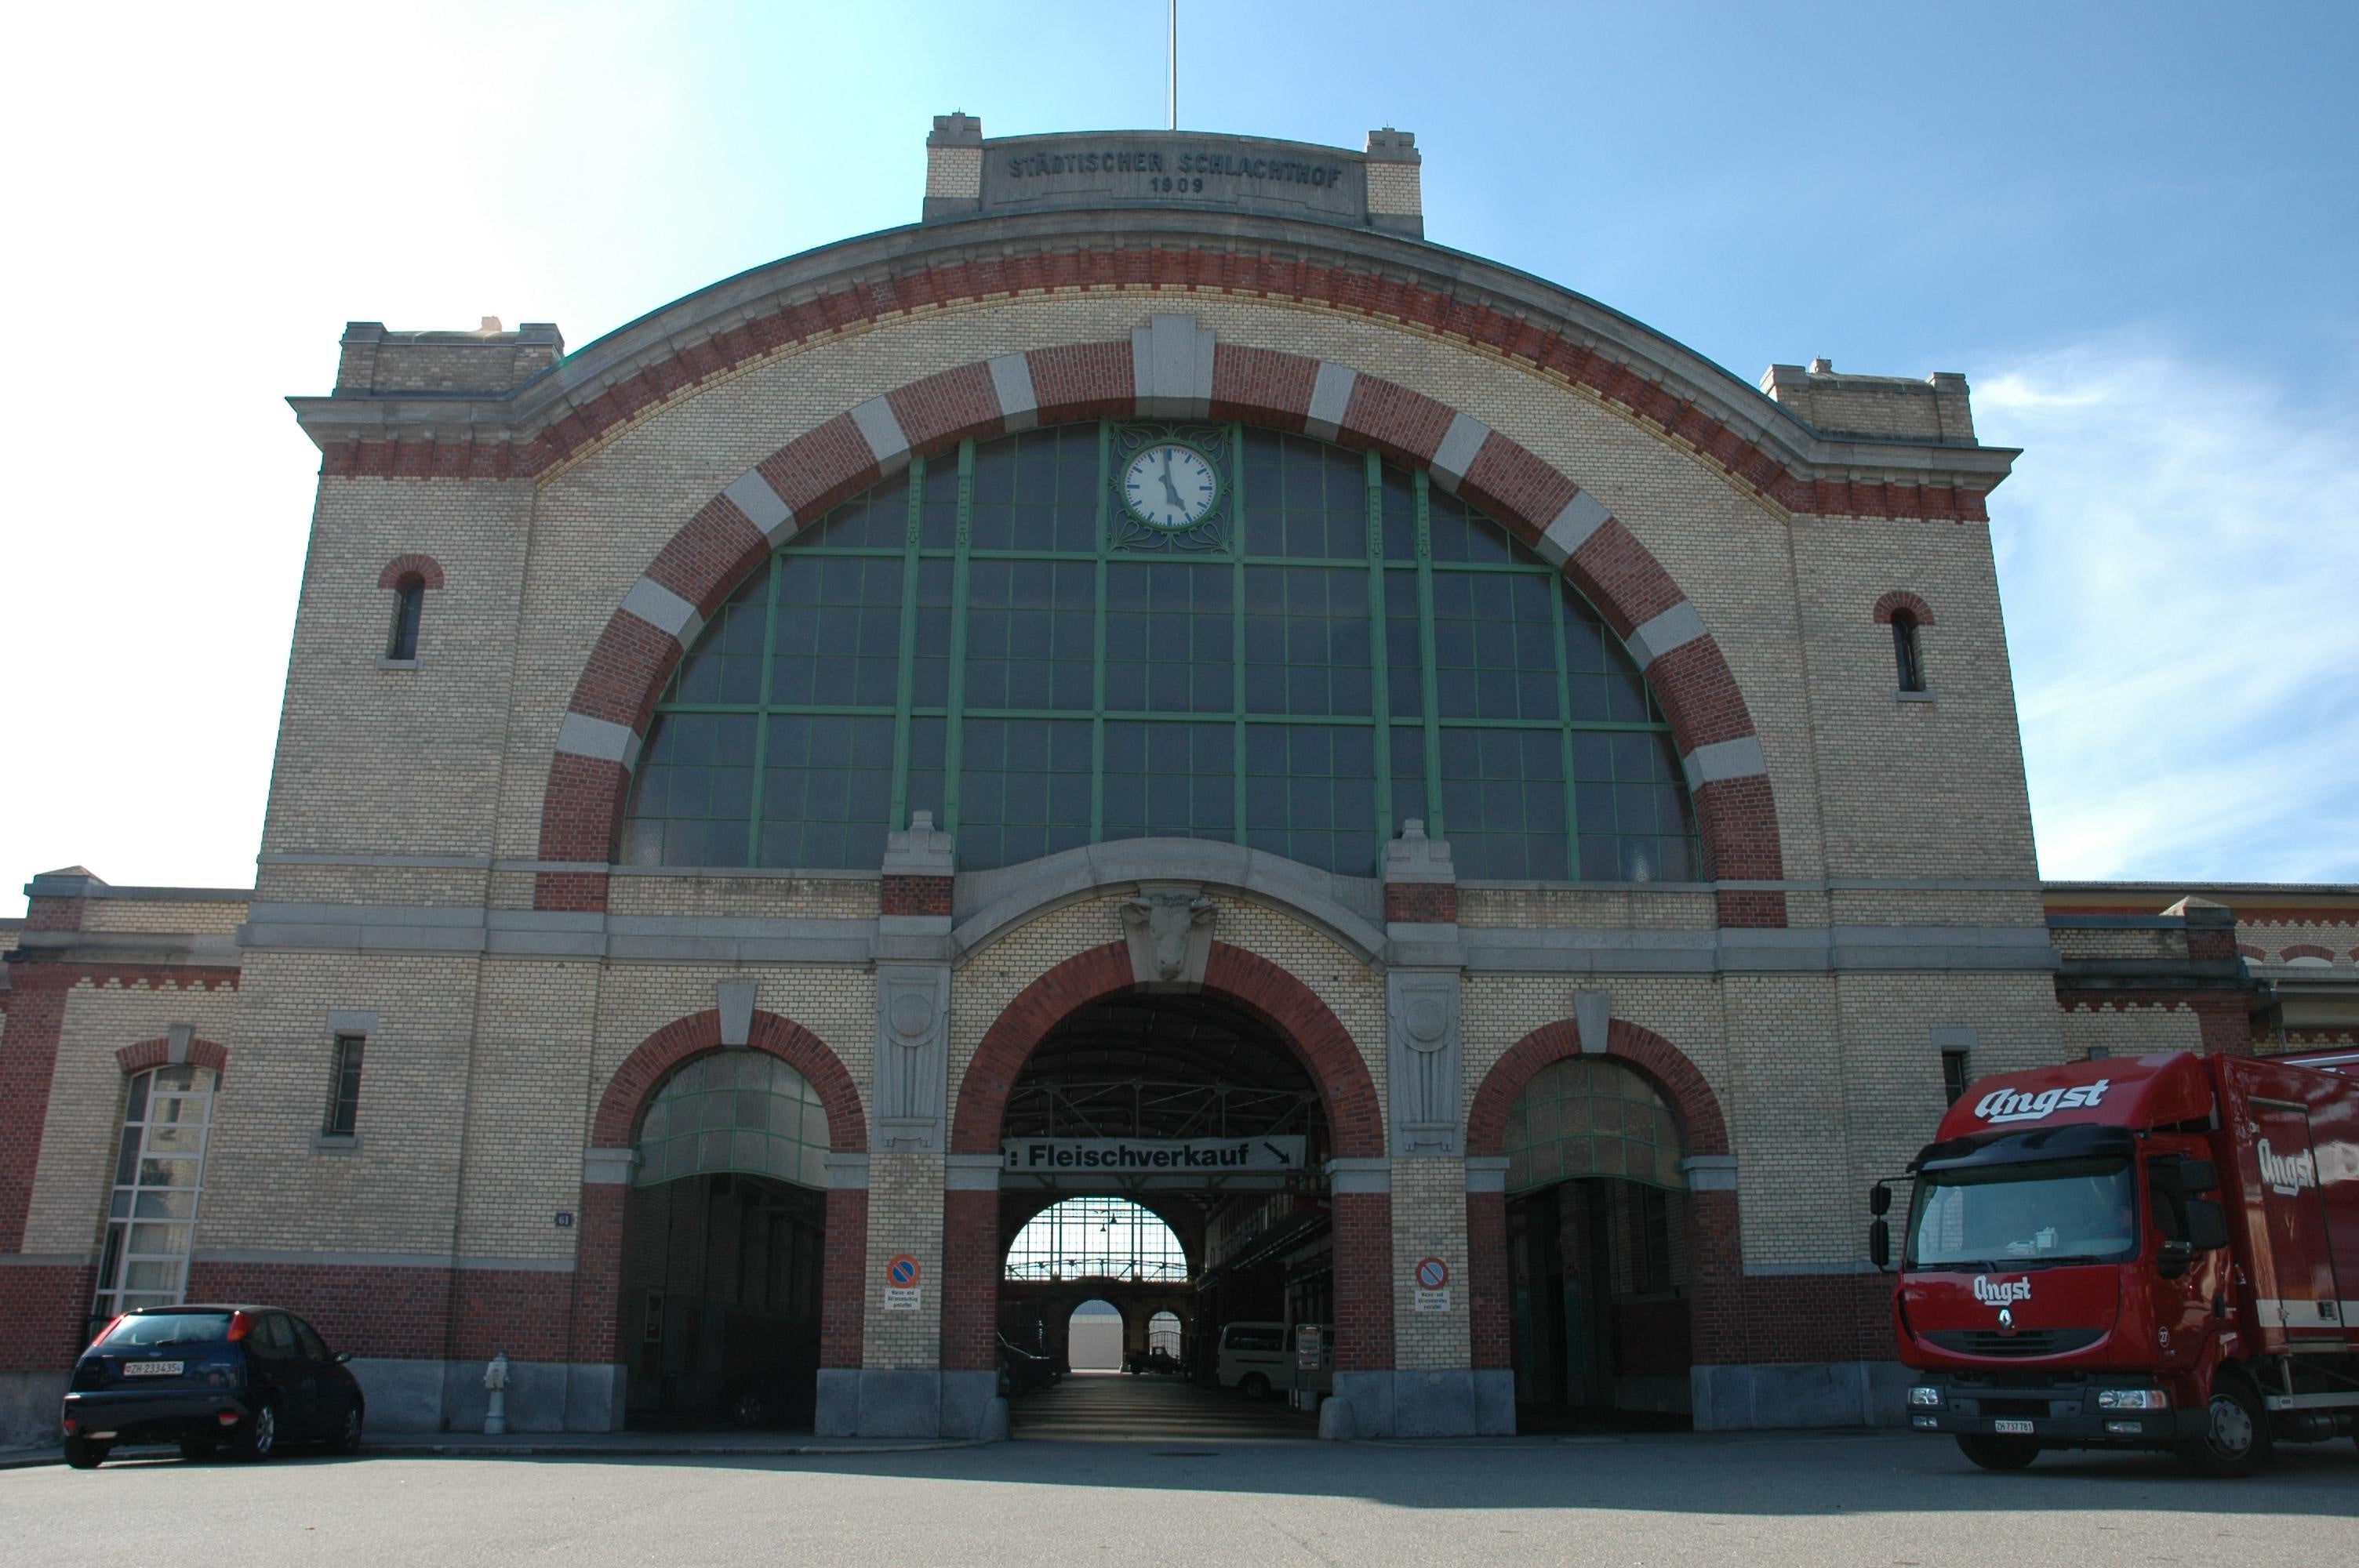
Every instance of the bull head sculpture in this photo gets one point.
(1166, 921)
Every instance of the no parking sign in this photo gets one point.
(1432, 1281)
(902, 1291)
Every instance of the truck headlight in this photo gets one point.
(1922, 1395)
(2133, 1399)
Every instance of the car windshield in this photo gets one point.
(2009, 1216)
(167, 1328)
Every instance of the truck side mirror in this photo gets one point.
(1879, 1244)
(2198, 1176)
(1879, 1199)
(2207, 1225)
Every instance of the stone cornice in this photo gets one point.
(847, 287)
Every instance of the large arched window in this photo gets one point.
(1094, 1238)
(734, 1110)
(1586, 1116)
(1122, 629)
(160, 1169)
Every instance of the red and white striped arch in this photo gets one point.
(1170, 367)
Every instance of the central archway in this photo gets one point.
(1284, 1007)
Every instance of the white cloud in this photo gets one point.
(2179, 550)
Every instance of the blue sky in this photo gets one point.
(2131, 227)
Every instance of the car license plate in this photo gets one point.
(152, 1369)
(2012, 1428)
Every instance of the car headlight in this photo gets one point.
(2133, 1399)
(1922, 1395)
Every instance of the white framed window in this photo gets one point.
(151, 1212)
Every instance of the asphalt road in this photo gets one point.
(1806, 1500)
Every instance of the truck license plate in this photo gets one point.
(152, 1369)
(2012, 1428)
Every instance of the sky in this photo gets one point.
(2131, 227)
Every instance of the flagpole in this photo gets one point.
(1174, 53)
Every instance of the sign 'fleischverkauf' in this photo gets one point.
(1154, 1156)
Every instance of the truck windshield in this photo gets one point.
(2075, 1211)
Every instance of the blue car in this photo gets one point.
(244, 1379)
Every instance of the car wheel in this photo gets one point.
(348, 1436)
(260, 1441)
(196, 1450)
(2235, 1434)
(1254, 1386)
(1998, 1452)
(85, 1455)
(748, 1408)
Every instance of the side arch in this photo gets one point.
(1363, 1219)
(1701, 1127)
(163, 1053)
(1901, 599)
(1713, 1220)
(606, 720)
(401, 568)
(598, 1259)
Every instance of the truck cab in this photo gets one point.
(2114, 1254)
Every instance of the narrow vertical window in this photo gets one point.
(344, 1087)
(158, 1173)
(1955, 1075)
(409, 606)
(1907, 656)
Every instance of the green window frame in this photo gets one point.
(744, 1111)
(1338, 647)
(1582, 1116)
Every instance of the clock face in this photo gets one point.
(1169, 486)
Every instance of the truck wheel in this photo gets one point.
(85, 1455)
(2236, 1436)
(1254, 1386)
(1998, 1452)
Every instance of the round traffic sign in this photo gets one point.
(1432, 1273)
(901, 1272)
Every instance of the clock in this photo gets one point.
(1170, 486)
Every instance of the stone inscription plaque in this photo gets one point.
(1030, 174)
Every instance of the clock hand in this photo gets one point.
(1169, 488)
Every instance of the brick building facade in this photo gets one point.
(466, 872)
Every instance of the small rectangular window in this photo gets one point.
(344, 1087)
(1906, 653)
(1955, 1075)
(409, 606)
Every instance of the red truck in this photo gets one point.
(2152, 1253)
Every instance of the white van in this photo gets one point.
(1263, 1359)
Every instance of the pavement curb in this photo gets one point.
(29, 1458)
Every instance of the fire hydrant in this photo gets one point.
(495, 1383)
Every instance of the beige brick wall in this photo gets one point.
(1916, 789)
(449, 887)
(770, 898)
(905, 1214)
(1430, 1221)
(267, 1186)
(78, 1135)
(203, 917)
(1597, 908)
(2134, 1031)
(399, 762)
